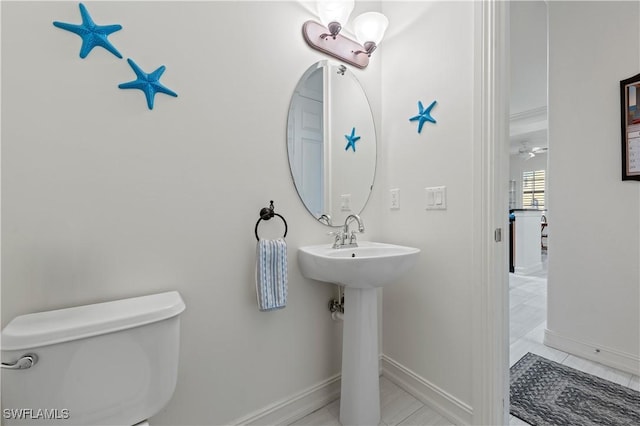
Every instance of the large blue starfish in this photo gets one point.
(92, 35)
(423, 115)
(148, 83)
(351, 140)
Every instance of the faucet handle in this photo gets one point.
(339, 237)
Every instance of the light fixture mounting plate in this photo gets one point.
(342, 47)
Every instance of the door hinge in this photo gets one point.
(497, 234)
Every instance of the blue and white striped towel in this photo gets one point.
(271, 274)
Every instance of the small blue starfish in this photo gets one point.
(92, 35)
(148, 83)
(351, 140)
(423, 115)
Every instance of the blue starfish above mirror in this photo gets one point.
(92, 35)
(424, 115)
(351, 140)
(148, 83)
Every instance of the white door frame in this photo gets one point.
(490, 205)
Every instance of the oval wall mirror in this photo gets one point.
(331, 143)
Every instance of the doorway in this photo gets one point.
(528, 177)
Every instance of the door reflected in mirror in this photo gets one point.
(331, 143)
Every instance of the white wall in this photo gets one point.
(528, 50)
(104, 199)
(594, 275)
(427, 56)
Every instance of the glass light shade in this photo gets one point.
(335, 11)
(370, 26)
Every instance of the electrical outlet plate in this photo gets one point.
(345, 202)
(395, 199)
(436, 198)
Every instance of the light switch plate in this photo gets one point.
(430, 199)
(436, 198)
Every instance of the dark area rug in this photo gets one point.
(544, 392)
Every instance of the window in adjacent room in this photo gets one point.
(533, 189)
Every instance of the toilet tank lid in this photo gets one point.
(62, 325)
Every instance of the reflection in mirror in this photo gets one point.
(331, 143)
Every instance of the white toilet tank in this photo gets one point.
(112, 363)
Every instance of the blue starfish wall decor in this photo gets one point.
(148, 83)
(423, 115)
(351, 140)
(92, 35)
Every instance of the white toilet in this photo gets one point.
(112, 363)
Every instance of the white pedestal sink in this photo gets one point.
(361, 270)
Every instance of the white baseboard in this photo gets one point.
(296, 406)
(447, 405)
(607, 356)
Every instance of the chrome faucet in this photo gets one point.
(341, 236)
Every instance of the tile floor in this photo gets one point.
(528, 303)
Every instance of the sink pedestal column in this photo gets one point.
(360, 394)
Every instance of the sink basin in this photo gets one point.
(369, 265)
